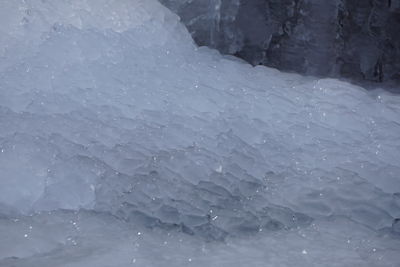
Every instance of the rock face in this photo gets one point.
(342, 38)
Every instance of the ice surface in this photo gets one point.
(108, 106)
(87, 239)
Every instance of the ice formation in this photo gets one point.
(126, 143)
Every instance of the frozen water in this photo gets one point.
(109, 107)
(86, 239)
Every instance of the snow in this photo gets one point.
(121, 142)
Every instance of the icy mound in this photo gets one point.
(109, 106)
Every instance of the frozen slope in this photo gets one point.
(108, 108)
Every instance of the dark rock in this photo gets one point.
(342, 38)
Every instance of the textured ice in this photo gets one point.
(86, 239)
(108, 106)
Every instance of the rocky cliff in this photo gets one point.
(336, 38)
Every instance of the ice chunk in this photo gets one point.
(104, 96)
(128, 117)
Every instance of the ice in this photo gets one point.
(114, 123)
(87, 239)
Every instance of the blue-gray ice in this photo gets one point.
(124, 144)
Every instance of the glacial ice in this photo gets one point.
(116, 127)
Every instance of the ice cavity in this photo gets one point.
(110, 106)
